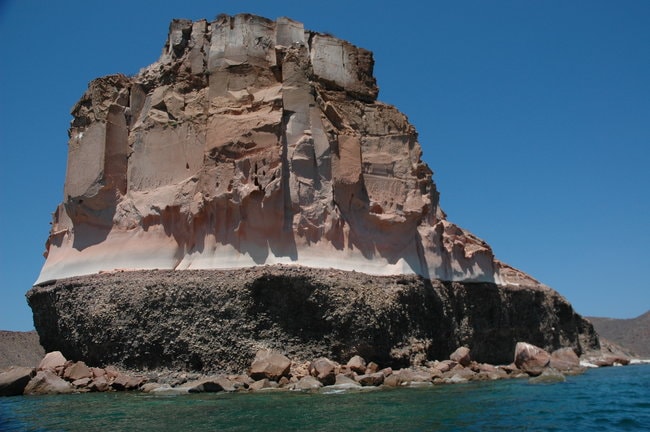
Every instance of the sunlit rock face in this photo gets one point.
(253, 142)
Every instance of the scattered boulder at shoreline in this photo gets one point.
(272, 370)
(564, 359)
(461, 356)
(324, 370)
(269, 364)
(57, 375)
(531, 359)
(52, 361)
(13, 381)
(47, 382)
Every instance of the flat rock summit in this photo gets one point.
(249, 191)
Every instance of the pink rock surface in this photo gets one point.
(252, 142)
(52, 360)
(531, 359)
(47, 382)
(269, 364)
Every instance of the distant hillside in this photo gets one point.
(633, 334)
(20, 349)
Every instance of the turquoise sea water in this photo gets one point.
(603, 399)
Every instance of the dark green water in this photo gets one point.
(603, 399)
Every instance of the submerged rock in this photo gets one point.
(548, 376)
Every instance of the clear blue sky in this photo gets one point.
(534, 116)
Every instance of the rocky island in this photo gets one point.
(248, 192)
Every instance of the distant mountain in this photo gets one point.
(633, 334)
(20, 349)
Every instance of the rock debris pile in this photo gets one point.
(271, 370)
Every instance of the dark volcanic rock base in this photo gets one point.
(20, 349)
(215, 320)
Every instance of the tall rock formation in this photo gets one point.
(252, 142)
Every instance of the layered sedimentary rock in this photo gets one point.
(254, 142)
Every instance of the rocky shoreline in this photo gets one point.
(273, 371)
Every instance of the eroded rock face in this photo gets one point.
(217, 320)
(251, 142)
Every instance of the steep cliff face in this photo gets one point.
(217, 319)
(253, 142)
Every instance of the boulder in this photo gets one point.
(548, 376)
(357, 364)
(461, 355)
(531, 359)
(52, 360)
(445, 365)
(47, 382)
(492, 372)
(461, 372)
(239, 382)
(262, 384)
(213, 385)
(308, 383)
(269, 364)
(150, 387)
(81, 382)
(97, 372)
(111, 372)
(409, 376)
(564, 359)
(510, 368)
(373, 379)
(372, 367)
(619, 360)
(100, 384)
(77, 371)
(393, 380)
(126, 382)
(299, 370)
(343, 382)
(13, 381)
(488, 368)
(324, 370)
